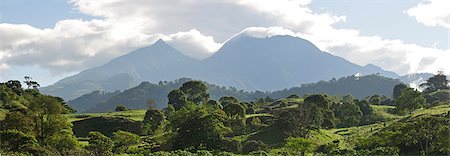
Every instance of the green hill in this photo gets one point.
(138, 97)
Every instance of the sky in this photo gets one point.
(52, 39)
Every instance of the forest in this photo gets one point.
(409, 122)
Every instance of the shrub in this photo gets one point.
(120, 108)
(253, 145)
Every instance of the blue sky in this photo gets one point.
(65, 37)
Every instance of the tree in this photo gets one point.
(123, 140)
(234, 109)
(19, 121)
(100, 144)
(410, 100)
(153, 120)
(398, 90)
(120, 108)
(196, 91)
(177, 98)
(63, 141)
(198, 126)
(253, 145)
(15, 86)
(214, 104)
(375, 100)
(435, 83)
(17, 141)
(30, 83)
(319, 100)
(349, 114)
(224, 101)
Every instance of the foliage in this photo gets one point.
(177, 99)
(153, 120)
(123, 140)
(226, 100)
(425, 135)
(409, 100)
(253, 145)
(120, 108)
(234, 109)
(196, 91)
(189, 121)
(36, 120)
(100, 144)
(398, 90)
(17, 141)
(436, 82)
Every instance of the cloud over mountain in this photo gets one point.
(199, 28)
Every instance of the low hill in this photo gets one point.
(155, 95)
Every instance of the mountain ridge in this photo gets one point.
(248, 63)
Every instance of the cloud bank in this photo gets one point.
(432, 13)
(198, 28)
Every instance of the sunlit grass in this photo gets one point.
(136, 115)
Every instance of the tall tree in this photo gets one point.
(398, 90)
(196, 91)
(153, 120)
(177, 99)
(410, 100)
(437, 82)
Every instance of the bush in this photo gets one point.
(17, 141)
(120, 108)
(231, 145)
(253, 145)
(100, 144)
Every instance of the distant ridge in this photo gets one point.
(248, 63)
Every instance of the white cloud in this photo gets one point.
(194, 44)
(432, 13)
(263, 32)
(124, 25)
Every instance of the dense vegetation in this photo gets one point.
(155, 95)
(194, 124)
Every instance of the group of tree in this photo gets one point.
(194, 124)
(34, 123)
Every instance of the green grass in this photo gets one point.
(258, 115)
(271, 136)
(384, 112)
(351, 135)
(136, 115)
(436, 110)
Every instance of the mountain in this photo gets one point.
(276, 62)
(154, 63)
(138, 97)
(244, 62)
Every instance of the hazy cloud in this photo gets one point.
(432, 13)
(194, 44)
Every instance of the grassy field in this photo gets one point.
(350, 135)
(384, 112)
(136, 115)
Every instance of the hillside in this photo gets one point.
(247, 63)
(139, 96)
